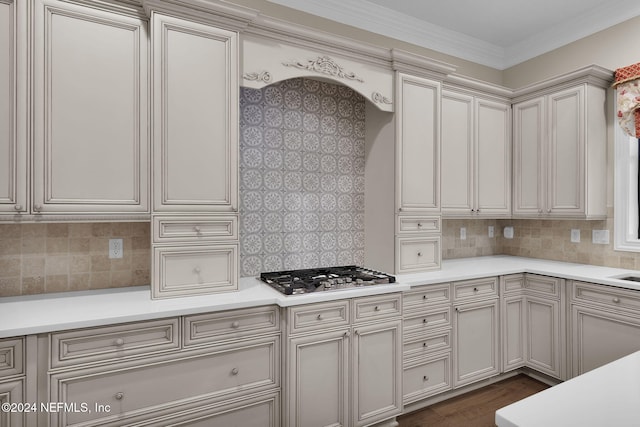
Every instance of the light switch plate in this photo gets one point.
(463, 233)
(600, 237)
(491, 232)
(508, 232)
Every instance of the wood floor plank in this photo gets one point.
(476, 408)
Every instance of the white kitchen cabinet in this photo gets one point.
(417, 144)
(543, 335)
(13, 99)
(222, 369)
(476, 341)
(512, 321)
(90, 142)
(605, 325)
(344, 362)
(560, 153)
(195, 116)
(12, 382)
(476, 156)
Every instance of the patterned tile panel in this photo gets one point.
(301, 176)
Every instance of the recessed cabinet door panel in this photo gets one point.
(319, 390)
(543, 335)
(418, 119)
(90, 120)
(513, 324)
(12, 391)
(13, 143)
(566, 149)
(493, 160)
(529, 137)
(457, 154)
(195, 116)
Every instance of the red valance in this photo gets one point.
(627, 83)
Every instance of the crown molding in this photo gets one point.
(592, 74)
(218, 12)
(404, 61)
(477, 87)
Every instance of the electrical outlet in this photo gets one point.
(491, 231)
(463, 233)
(115, 248)
(575, 235)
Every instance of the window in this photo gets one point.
(626, 192)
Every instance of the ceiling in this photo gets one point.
(495, 33)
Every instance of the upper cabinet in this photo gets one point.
(476, 156)
(13, 107)
(417, 144)
(90, 119)
(195, 116)
(560, 156)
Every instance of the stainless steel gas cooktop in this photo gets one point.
(294, 282)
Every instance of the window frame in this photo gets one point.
(625, 192)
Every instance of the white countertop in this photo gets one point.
(61, 311)
(606, 396)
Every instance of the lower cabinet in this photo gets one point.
(476, 342)
(12, 382)
(347, 370)
(213, 372)
(605, 325)
(12, 392)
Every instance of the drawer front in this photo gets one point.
(418, 224)
(11, 357)
(318, 317)
(544, 285)
(418, 254)
(378, 307)
(212, 328)
(194, 270)
(169, 229)
(425, 322)
(142, 390)
(424, 378)
(472, 289)
(607, 296)
(431, 343)
(114, 342)
(427, 296)
(513, 283)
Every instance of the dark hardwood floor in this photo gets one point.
(476, 408)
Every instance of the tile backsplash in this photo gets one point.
(301, 176)
(42, 258)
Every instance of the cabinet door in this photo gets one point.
(13, 96)
(475, 349)
(600, 337)
(457, 154)
(565, 189)
(90, 147)
(543, 335)
(318, 384)
(12, 391)
(493, 158)
(195, 116)
(513, 324)
(528, 141)
(377, 379)
(418, 136)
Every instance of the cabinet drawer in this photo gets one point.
(378, 307)
(418, 224)
(11, 357)
(418, 254)
(421, 323)
(427, 296)
(113, 342)
(212, 328)
(318, 317)
(145, 389)
(424, 346)
(547, 286)
(424, 378)
(513, 283)
(168, 229)
(608, 296)
(194, 270)
(472, 289)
